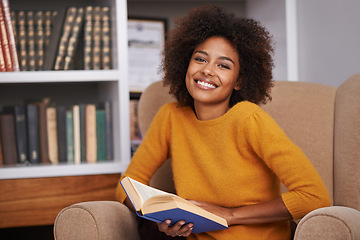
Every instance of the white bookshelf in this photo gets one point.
(77, 86)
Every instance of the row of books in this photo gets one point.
(135, 133)
(40, 132)
(32, 31)
(65, 39)
(8, 54)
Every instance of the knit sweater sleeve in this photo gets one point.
(306, 190)
(152, 152)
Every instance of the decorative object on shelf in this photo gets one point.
(145, 42)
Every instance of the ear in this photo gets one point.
(238, 85)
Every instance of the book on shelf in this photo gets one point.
(1, 151)
(69, 135)
(42, 123)
(61, 132)
(101, 134)
(11, 33)
(51, 122)
(73, 39)
(54, 27)
(21, 138)
(4, 40)
(77, 139)
(88, 26)
(30, 40)
(106, 38)
(158, 206)
(64, 39)
(32, 120)
(40, 39)
(8, 139)
(91, 141)
(96, 38)
(21, 20)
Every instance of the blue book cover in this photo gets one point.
(159, 206)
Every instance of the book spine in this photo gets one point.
(40, 39)
(69, 136)
(16, 34)
(47, 30)
(4, 41)
(68, 25)
(109, 132)
(1, 150)
(96, 38)
(101, 134)
(2, 60)
(77, 144)
(31, 40)
(32, 117)
(82, 108)
(52, 134)
(19, 114)
(88, 38)
(11, 33)
(106, 38)
(91, 143)
(74, 39)
(61, 132)
(8, 139)
(44, 147)
(22, 41)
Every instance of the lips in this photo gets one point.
(205, 84)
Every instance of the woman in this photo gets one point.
(228, 155)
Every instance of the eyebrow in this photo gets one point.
(222, 57)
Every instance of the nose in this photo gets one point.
(209, 69)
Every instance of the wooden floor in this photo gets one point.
(37, 201)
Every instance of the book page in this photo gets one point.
(146, 191)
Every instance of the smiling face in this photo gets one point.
(213, 73)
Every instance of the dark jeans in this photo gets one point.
(148, 230)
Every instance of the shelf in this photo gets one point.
(60, 76)
(62, 170)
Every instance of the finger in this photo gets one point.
(164, 226)
(175, 230)
(186, 230)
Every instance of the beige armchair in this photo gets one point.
(323, 120)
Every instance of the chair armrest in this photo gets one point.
(329, 223)
(96, 220)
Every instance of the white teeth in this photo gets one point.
(206, 84)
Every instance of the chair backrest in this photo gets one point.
(151, 100)
(347, 144)
(304, 110)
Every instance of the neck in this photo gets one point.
(208, 112)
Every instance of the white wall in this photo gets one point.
(271, 13)
(329, 40)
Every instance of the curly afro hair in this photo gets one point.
(251, 40)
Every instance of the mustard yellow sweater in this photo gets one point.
(235, 160)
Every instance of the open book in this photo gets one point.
(158, 206)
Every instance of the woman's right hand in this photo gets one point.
(177, 230)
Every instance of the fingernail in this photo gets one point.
(167, 221)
